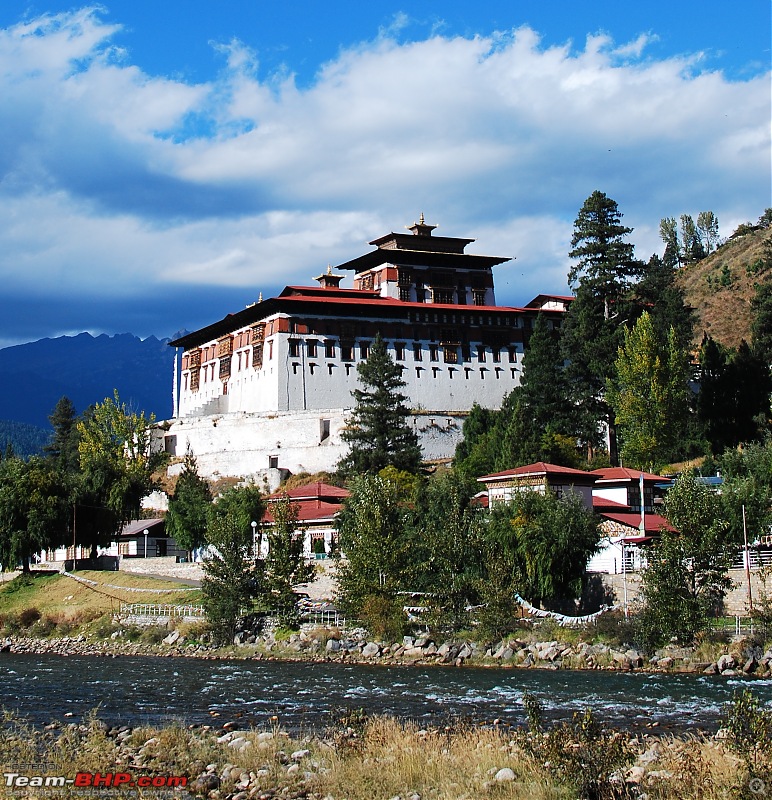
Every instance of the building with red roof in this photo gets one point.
(269, 386)
(317, 505)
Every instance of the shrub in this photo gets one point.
(383, 616)
(28, 617)
(749, 729)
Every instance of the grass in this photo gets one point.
(362, 759)
(47, 604)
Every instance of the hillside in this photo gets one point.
(86, 369)
(721, 286)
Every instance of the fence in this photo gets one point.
(758, 559)
(161, 611)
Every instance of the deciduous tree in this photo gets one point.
(685, 579)
(649, 395)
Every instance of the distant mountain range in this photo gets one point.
(87, 369)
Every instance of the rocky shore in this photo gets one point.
(355, 646)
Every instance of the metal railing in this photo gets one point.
(160, 611)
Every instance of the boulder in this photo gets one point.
(371, 650)
(333, 645)
(726, 662)
(504, 653)
(505, 775)
(636, 659)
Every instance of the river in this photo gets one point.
(306, 696)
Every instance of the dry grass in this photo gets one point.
(64, 598)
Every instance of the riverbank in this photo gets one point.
(358, 758)
(323, 644)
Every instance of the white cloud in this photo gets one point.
(114, 181)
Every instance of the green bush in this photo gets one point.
(28, 617)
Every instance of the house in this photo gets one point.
(317, 504)
(613, 493)
(502, 486)
(140, 538)
(269, 386)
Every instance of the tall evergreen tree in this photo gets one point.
(63, 449)
(761, 321)
(605, 270)
(285, 564)
(379, 431)
(189, 507)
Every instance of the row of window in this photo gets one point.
(450, 352)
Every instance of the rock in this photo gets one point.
(635, 774)
(726, 662)
(549, 654)
(636, 659)
(711, 669)
(298, 755)
(665, 662)
(333, 645)
(370, 650)
(206, 783)
(621, 660)
(504, 653)
(465, 651)
(750, 665)
(407, 641)
(505, 775)
(423, 640)
(265, 736)
(172, 637)
(293, 768)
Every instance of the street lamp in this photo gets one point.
(254, 540)
(146, 531)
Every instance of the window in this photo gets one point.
(451, 354)
(273, 462)
(311, 348)
(399, 351)
(364, 350)
(513, 355)
(442, 296)
(478, 296)
(417, 352)
(329, 348)
(466, 352)
(496, 355)
(294, 348)
(347, 352)
(404, 294)
(481, 353)
(434, 352)
(324, 429)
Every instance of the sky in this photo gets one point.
(164, 164)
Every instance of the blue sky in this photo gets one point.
(161, 164)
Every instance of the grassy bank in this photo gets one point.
(361, 759)
(54, 604)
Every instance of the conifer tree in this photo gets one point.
(189, 507)
(379, 431)
(604, 272)
(285, 564)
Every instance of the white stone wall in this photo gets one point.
(241, 444)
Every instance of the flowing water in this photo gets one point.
(149, 690)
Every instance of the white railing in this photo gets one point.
(161, 611)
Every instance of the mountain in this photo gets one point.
(87, 369)
(720, 287)
(25, 440)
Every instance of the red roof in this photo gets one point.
(653, 522)
(602, 502)
(310, 511)
(624, 474)
(315, 490)
(542, 468)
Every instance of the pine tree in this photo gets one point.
(189, 507)
(285, 564)
(379, 431)
(603, 275)
(231, 577)
(63, 449)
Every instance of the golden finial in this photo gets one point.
(421, 219)
(329, 269)
(260, 298)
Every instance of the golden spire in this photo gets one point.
(260, 298)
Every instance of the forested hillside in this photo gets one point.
(86, 369)
(721, 286)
